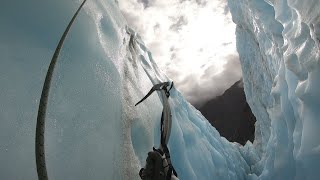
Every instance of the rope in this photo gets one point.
(40, 129)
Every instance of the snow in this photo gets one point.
(93, 129)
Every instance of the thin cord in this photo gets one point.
(40, 129)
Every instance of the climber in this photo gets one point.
(158, 163)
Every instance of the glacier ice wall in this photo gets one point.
(93, 129)
(84, 103)
(278, 43)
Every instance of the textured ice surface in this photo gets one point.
(278, 44)
(93, 129)
(84, 104)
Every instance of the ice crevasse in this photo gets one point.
(93, 129)
(278, 43)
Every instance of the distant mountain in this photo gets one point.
(231, 115)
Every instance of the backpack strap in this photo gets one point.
(167, 157)
(165, 152)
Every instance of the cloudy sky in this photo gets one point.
(192, 41)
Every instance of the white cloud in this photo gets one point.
(192, 41)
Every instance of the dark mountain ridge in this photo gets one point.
(231, 115)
